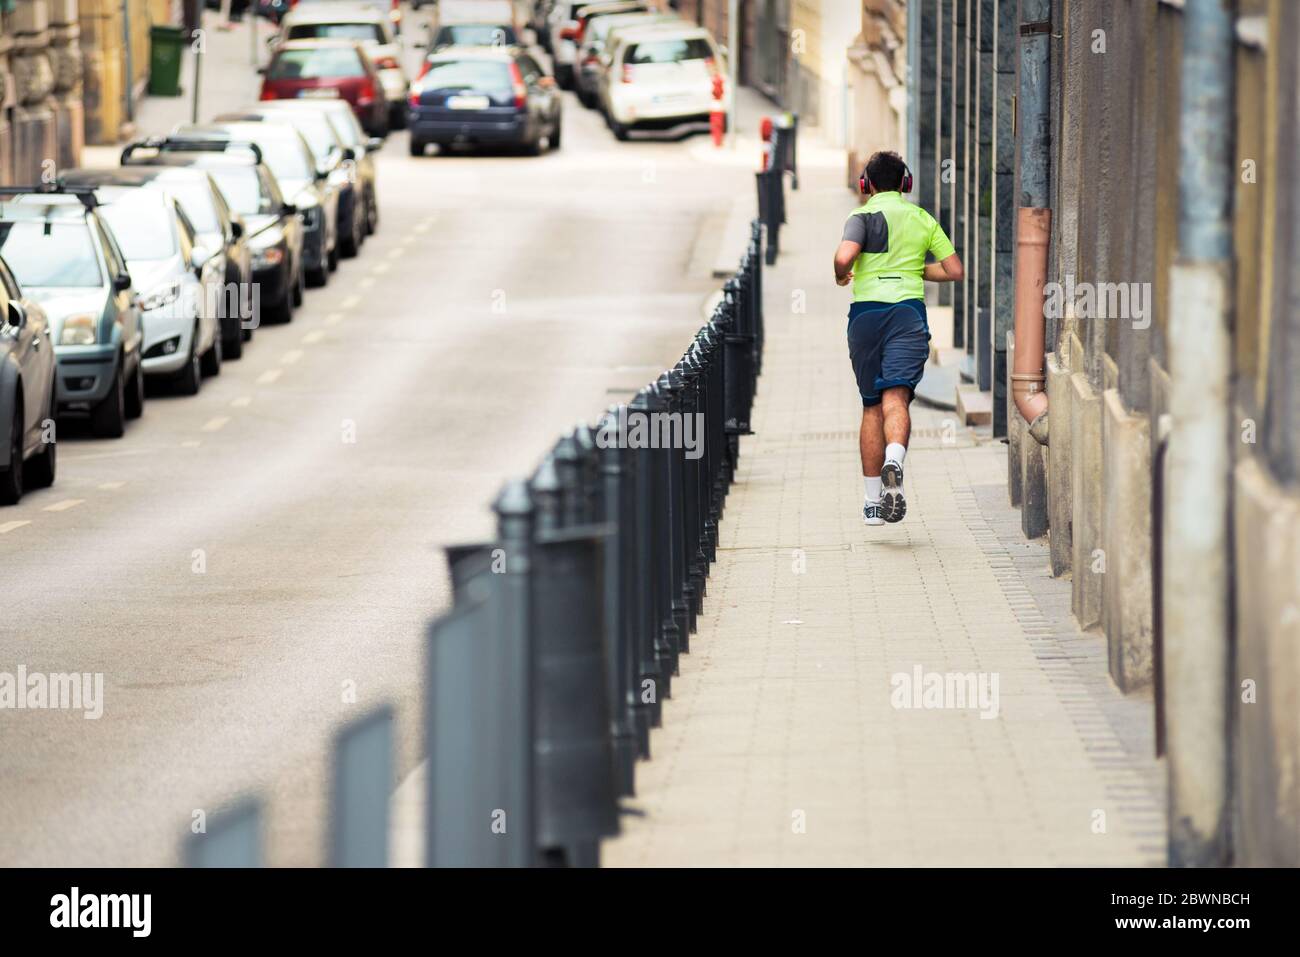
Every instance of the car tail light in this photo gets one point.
(366, 92)
(267, 92)
(570, 32)
(627, 73)
(517, 84)
(414, 98)
(424, 68)
(387, 63)
(711, 65)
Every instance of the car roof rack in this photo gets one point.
(84, 193)
(181, 143)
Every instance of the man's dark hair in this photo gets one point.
(885, 171)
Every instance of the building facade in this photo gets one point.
(1149, 341)
(63, 77)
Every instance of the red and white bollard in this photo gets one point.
(717, 115)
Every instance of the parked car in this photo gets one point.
(358, 148)
(565, 27)
(592, 59)
(217, 226)
(28, 403)
(484, 95)
(328, 69)
(179, 280)
(365, 25)
(308, 188)
(327, 149)
(66, 259)
(391, 9)
(474, 35)
(661, 78)
(273, 227)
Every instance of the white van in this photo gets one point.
(662, 76)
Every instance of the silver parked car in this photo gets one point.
(65, 258)
(27, 393)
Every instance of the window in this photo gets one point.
(195, 196)
(243, 190)
(142, 225)
(477, 35)
(667, 51)
(319, 63)
(467, 75)
(50, 254)
(365, 32)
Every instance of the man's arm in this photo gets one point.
(945, 270)
(845, 256)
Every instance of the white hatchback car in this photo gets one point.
(662, 76)
(366, 25)
(179, 281)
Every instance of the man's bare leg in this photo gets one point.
(897, 429)
(871, 446)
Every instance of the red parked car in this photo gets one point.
(315, 69)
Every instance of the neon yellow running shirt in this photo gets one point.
(894, 235)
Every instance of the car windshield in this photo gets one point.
(243, 190)
(365, 32)
(467, 75)
(346, 126)
(477, 35)
(667, 51)
(50, 254)
(319, 63)
(284, 155)
(196, 199)
(315, 129)
(142, 224)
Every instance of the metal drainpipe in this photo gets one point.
(1196, 552)
(1034, 217)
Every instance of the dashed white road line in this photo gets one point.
(380, 268)
(63, 506)
(313, 337)
(215, 424)
(110, 486)
(191, 444)
(269, 376)
(242, 402)
(290, 357)
(8, 527)
(334, 318)
(365, 282)
(397, 253)
(351, 302)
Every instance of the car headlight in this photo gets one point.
(265, 258)
(79, 330)
(164, 295)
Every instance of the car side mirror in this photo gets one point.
(322, 175)
(17, 314)
(122, 281)
(236, 229)
(288, 209)
(375, 143)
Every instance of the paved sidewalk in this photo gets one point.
(780, 745)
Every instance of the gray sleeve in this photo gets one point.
(855, 230)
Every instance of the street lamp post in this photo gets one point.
(130, 61)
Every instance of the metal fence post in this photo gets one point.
(619, 602)
(363, 785)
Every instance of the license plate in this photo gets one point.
(323, 92)
(468, 102)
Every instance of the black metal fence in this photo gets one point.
(780, 157)
(547, 674)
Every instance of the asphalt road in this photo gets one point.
(241, 559)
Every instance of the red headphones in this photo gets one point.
(904, 187)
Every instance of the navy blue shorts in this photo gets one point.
(889, 343)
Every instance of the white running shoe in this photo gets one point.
(871, 514)
(892, 504)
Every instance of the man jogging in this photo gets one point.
(883, 253)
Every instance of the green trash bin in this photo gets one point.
(166, 48)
